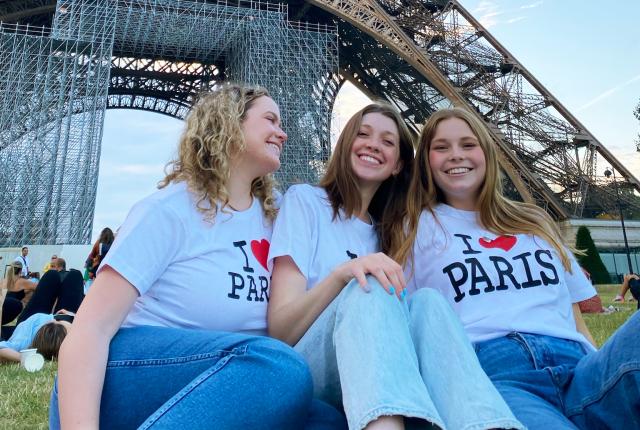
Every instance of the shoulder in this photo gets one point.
(305, 194)
(173, 201)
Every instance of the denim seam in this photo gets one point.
(606, 387)
(523, 341)
(175, 360)
(380, 411)
(189, 388)
(500, 423)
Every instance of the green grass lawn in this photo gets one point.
(24, 397)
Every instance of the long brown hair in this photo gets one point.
(212, 136)
(496, 212)
(341, 183)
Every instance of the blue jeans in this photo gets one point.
(165, 378)
(553, 383)
(375, 355)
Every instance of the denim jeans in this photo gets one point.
(553, 383)
(375, 355)
(165, 378)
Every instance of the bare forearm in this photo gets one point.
(8, 354)
(81, 376)
(289, 321)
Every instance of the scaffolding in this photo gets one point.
(56, 85)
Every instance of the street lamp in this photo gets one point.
(608, 173)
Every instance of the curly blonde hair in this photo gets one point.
(212, 137)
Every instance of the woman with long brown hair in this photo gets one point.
(340, 299)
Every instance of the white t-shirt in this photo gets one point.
(497, 285)
(191, 273)
(26, 262)
(306, 231)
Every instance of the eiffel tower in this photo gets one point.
(420, 55)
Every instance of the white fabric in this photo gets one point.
(478, 272)
(191, 273)
(305, 230)
(26, 263)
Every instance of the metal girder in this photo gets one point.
(421, 55)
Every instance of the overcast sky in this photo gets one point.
(585, 52)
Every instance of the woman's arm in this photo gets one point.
(83, 354)
(8, 354)
(581, 326)
(292, 309)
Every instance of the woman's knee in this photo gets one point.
(375, 295)
(428, 299)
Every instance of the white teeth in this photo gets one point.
(369, 159)
(274, 148)
(458, 170)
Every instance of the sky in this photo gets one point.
(585, 52)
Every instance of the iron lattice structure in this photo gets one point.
(155, 55)
(420, 55)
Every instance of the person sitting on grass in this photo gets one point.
(18, 287)
(631, 282)
(44, 332)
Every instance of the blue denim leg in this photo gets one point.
(462, 393)
(164, 378)
(531, 372)
(361, 355)
(605, 390)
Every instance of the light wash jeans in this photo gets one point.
(165, 378)
(376, 355)
(552, 383)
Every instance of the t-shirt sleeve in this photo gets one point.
(580, 288)
(293, 232)
(147, 242)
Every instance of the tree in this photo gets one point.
(591, 261)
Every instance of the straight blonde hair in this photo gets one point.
(497, 213)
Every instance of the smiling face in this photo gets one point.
(457, 163)
(263, 136)
(375, 152)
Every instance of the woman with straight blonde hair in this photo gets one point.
(504, 269)
(169, 335)
(339, 298)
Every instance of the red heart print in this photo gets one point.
(261, 251)
(503, 242)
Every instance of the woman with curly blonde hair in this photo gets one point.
(168, 335)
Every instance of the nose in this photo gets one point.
(281, 135)
(456, 153)
(373, 145)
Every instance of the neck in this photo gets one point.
(366, 195)
(239, 188)
(463, 204)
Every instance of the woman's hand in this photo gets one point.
(383, 268)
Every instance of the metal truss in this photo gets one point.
(549, 156)
(154, 55)
(420, 55)
(53, 95)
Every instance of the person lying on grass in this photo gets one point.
(44, 332)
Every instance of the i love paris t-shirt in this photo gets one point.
(192, 273)
(496, 284)
(306, 231)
